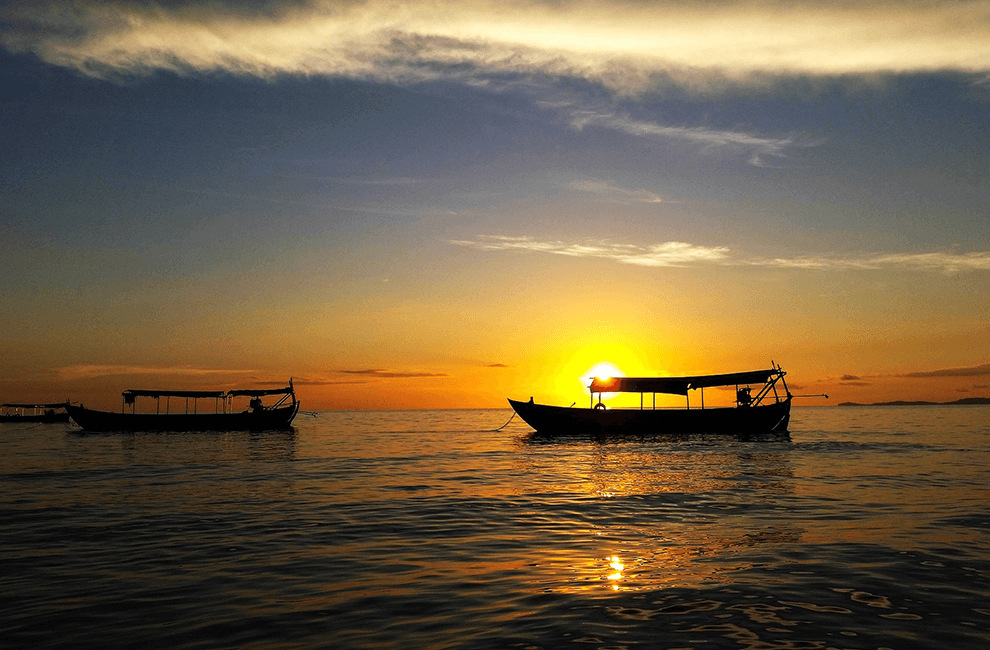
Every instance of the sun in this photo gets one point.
(603, 370)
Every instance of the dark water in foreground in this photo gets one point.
(864, 528)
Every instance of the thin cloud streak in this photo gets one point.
(950, 263)
(685, 254)
(760, 147)
(615, 194)
(90, 371)
(380, 373)
(665, 254)
(614, 43)
(327, 382)
(972, 371)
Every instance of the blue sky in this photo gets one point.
(426, 197)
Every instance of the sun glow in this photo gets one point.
(603, 370)
(569, 380)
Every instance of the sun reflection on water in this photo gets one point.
(614, 578)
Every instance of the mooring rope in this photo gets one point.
(506, 423)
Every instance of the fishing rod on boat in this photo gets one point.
(825, 395)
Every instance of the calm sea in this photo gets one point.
(862, 528)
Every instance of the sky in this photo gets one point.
(441, 204)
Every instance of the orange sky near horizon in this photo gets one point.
(562, 381)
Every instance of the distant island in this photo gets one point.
(964, 402)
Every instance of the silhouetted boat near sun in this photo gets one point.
(765, 411)
(34, 412)
(257, 417)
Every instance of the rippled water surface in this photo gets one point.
(862, 528)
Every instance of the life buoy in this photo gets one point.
(599, 406)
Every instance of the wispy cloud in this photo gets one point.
(665, 254)
(762, 151)
(614, 193)
(529, 47)
(323, 381)
(616, 43)
(89, 371)
(685, 254)
(945, 262)
(380, 373)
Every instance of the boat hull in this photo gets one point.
(264, 420)
(559, 420)
(44, 418)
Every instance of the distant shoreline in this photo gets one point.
(966, 401)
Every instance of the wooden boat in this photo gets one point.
(34, 412)
(767, 410)
(257, 417)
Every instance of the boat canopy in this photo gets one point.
(680, 385)
(250, 392)
(131, 393)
